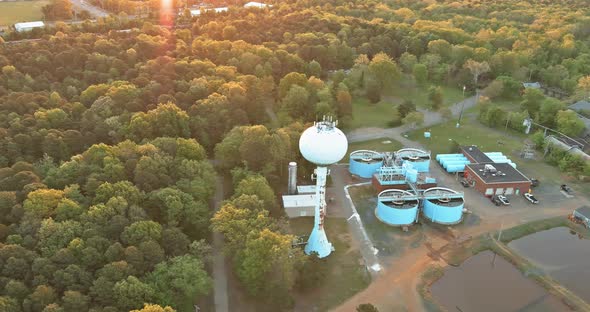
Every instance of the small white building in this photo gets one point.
(301, 205)
(254, 4)
(197, 12)
(28, 26)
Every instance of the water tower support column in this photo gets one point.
(318, 241)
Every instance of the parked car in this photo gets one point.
(504, 200)
(534, 182)
(567, 189)
(531, 198)
(496, 200)
(464, 183)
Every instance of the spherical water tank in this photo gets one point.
(323, 144)
(443, 206)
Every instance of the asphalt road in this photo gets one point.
(219, 269)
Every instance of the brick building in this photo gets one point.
(493, 178)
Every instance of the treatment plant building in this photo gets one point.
(493, 175)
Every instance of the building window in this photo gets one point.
(499, 191)
(509, 191)
(489, 191)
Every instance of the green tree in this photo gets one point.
(413, 119)
(385, 71)
(58, 10)
(257, 185)
(584, 86)
(142, 231)
(154, 308)
(296, 102)
(290, 80)
(406, 107)
(179, 281)
(366, 307)
(477, 69)
(42, 296)
(420, 72)
(435, 95)
(9, 304)
(75, 301)
(343, 101)
(132, 293)
(407, 62)
(569, 123)
(180, 209)
(241, 217)
(548, 112)
(264, 255)
(532, 100)
(539, 139)
(314, 69)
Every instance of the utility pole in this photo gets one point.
(462, 107)
(507, 120)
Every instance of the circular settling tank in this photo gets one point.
(397, 207)
(443, 205)
(420, 159)
(364, 163)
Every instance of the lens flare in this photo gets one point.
(166, 12)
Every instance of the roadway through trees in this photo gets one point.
(219, 269)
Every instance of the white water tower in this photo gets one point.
(322, 144)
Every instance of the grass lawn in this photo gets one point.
(366, 114)
(347, 275)
(419, 94)
(21, 11)
(471, 132)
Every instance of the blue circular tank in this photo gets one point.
(419, 159)
(364, 163)
(442, 205)
(397, 207)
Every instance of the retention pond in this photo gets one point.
(562, 254)
(487, 282)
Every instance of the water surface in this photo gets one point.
(561, 253)
(489, 283)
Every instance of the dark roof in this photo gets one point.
(581, 105)
(473, 152)
(584, 210)
(508, 174)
